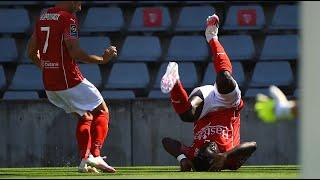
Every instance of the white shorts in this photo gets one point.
(214, 101)
(79, 99)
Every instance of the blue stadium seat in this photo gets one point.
(95, 44)
(137, 22)
(119, 94)
(27, 77)
(157, 94)
(237, 73)
(2, 78)
(141, 48)
(268, 73)
(111, 2)
(8, 50)
(202, 2)
(20, 95)
(157, 2)
(285, 17)
(280, 47)
(193, 18)
(14, 20)
(128, 75)
(92, 73)
(24, 59)
(187, 72)
(19, 2)
(252, 92)
(188, 48)
(103, 19)
(247, 22)
(238, 47)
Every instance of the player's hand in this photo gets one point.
(275, 107)
(109, 53)
(185, 165)
(264, 107)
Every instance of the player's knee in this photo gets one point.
(225, 82)
(101, 108)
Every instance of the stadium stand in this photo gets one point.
(188, 48)
(285, 17)
(128, 75)
(21, 95)
(19, 2)
(132, 49)
(27, 77)
(252, 92)
(250, 17)
(103, 19)
(193, 18)
(238, 47)
(95, 44)
(261, 39)
(157, 94)
(2, 78)
(268, 73)
(8, 50)
(14, 20)
(150, 19)
(280, 47)
(118, 94)
(92, 73)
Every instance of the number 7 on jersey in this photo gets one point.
(46, 29)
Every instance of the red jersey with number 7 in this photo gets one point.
(53, 28)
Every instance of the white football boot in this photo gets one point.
(170, 78)
(212, 27)
(99, 163)
(85, 168)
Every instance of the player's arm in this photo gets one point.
(76, 52)
(33, 50)
(173, 147)
(193, 114)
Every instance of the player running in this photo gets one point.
(215, 112)
(54, 47)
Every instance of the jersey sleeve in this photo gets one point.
(70, 30)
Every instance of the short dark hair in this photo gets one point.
(204, 158)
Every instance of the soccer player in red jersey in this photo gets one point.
(215, 112)
(54, 47)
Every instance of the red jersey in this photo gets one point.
(53, 27)
(222, 127)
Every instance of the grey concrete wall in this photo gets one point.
(36, 133)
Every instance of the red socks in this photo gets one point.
(83, 136)
(221, 60)
(99, 131)
(179, 98)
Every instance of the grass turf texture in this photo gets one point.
(155, 172)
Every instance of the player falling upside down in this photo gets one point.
(215, 112)
(54, 47)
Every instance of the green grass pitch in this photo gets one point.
(155, 172)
